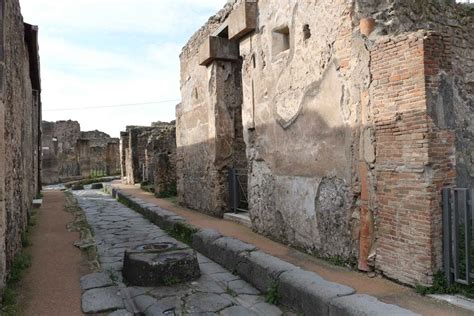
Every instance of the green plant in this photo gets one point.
(231, 292)
(113, 275)
(25, 239)
(20, 264)
(171, 281)
(440, 286)
(272, 296)
(171, 191)
(10, 296)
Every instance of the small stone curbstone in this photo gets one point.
(226, 251)
(261, 269)
(203, 239)
(364, 305)
(308, 293)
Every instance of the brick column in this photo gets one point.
(415, 157)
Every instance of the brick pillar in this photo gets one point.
(415, 156)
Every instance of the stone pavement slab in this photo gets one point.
(116, 228)
(96, 280)
(102, 300)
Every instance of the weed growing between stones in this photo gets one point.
(171, 281)
(22, 261)
(231, 292)
(113, 275)
(86, 241)
(440, 286)
(171, 192)
(145, 186)
(183, 232)
(272, 296)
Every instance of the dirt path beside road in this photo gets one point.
(51, 285)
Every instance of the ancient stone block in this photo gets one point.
(243, 19)
(160, 264)
(217, 48)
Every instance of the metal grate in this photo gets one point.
(458, 235)
(238, 190)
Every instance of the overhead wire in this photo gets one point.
(109, 106)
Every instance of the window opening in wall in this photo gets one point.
(280, 40)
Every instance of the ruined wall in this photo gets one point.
(148, 154)
(124, 148)
(355, 115)
(69, 153)
(300, 117)
(113, 158)
(207, 125)
(18, 133)
(161, 158)
(133, 152)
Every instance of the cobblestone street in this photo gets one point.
(116, 227)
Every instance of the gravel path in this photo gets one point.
(51, 285)
(116, 227)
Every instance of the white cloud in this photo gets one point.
(106, 52)
(148, 16)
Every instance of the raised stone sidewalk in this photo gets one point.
(303, 291)
(117, 227)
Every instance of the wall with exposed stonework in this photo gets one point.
(208, 125)
(355, 115)
(69, 153)
(20, 110)
(160, 162)
(148, 155)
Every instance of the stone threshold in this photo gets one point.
(456, 300)
(242, 218)
(303, 291)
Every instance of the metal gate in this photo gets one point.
(238, 190)
(458, 235)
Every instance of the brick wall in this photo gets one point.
(415, 158)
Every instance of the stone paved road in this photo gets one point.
(116, 227)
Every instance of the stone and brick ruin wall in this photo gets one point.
(208, 124)
(20, 114)
(161, 159)
(69, 153)
(148, 155)
(355, 115)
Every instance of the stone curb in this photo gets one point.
(304, 291)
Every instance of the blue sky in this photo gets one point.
(110, 52)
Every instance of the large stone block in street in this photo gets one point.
(160, 264)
